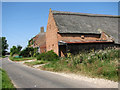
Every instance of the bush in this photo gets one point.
(36, 54)
(48, 56)
(41, 56)
(102, 63)
(27, 52)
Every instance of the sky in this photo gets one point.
(22, 20)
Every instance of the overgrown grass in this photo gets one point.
(21, 59)
(102, 64)
(4, 56)
(36, 62)
(6, 82)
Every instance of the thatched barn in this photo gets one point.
(75, 32)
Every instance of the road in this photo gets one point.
(28, 77)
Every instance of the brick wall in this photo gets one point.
(78, 37)
(52, 38)
(43, 48)
(51, 34)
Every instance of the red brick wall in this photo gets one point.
(77, 37)
(51, 34)
(103, 36)
(43, 48)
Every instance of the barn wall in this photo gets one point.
(78, 36)
(76, 48)
(51, 35)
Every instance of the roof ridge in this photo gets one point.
(82, 14)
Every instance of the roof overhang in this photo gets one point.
(64, 42)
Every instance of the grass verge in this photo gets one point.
(21, 59)
(35, 63)
(4, 56)
(100, 64)
(6, 82)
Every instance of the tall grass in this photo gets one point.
(102, 63)
(35, 62)
(6, 82)
(21, 59)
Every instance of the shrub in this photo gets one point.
(49, 56)
(36, 54)
(27, 52)
(41, 56)
(102, 63)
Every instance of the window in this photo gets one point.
(52, 44)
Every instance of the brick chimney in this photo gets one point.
(50, 10)
(41, 29)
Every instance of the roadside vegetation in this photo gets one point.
(3, 47)
(36, 62)
(21, 58)
(16, 54)
(48, 56)
(44, 58)
(6, 82)
(101, 64)
(4, 56)
(15, 50)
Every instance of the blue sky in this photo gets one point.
(22, 20)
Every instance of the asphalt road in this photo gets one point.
(27, 77)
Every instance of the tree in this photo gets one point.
(12, 50)
(4, 45)
(27, 52)
(0, 47)
(18, 49)
(15, 50)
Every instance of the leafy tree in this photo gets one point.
(29, 52)
(15, 50)
(18, 49)
(4, 45)
(0, 46)
(12, 50)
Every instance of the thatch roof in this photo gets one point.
(41, 40)
(69, 22)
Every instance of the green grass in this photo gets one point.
(6, 82)
(4, 56)
(35, 62)
(21, 59)
(100, 64)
